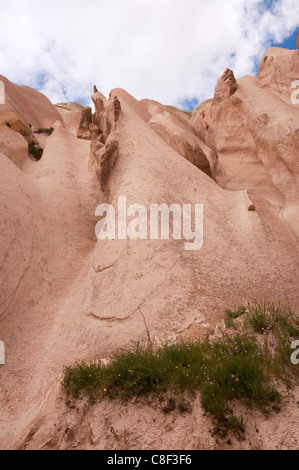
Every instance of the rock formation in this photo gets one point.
(226, 85)
(104, 150)
(71, 114)
(66, 296)
(84, 131)
(106, 157)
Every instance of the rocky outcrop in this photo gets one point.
(71, 114)
(100, 128)
(186, 143)
(14, 121)
(176, 128)
(104, 148)
(33, 107)
(116, 109)
(99, 117)
(18, 141)
(279, 68)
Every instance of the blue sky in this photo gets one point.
(172, 51)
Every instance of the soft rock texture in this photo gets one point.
(66, 296)
(71, 114)
(84, 131)
(226, 85)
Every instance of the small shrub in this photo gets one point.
(35, 150)
(225, 366)
(43, 130)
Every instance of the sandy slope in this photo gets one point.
(65, 296)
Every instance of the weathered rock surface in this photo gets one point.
(104, 158)
(71, 114)
(84, 131)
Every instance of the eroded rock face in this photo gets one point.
(226, 85)
(66, 297)
(13, 145)
(104, 149)
(84, 131)
(99, 117)
(14, 121)
(100, 129)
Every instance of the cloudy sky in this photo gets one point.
(172, 51)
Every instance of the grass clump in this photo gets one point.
(268, 316)
(35, 150)
(231, 315)
(236, 423)
(24, 133)
(239, 363)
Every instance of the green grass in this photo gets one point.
(240, 363)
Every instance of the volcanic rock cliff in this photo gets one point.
(66, 296)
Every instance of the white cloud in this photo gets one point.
(166, 50)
